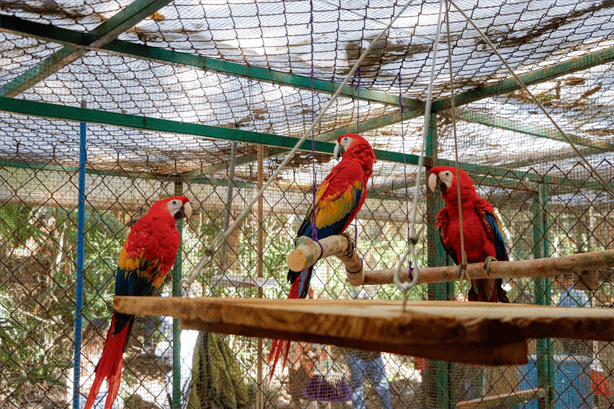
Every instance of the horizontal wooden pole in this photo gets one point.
(468, 332)
(308, 252)
(503, 400)
(543, 267)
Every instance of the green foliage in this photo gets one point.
(15, 226)
(37, 290)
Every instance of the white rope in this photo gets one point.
(605, 184)
(413, 239)
(210, 251)
(463, 260)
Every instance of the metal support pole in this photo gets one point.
(545, 360)
(260, 272)
(437, 373)
(80, 261)
(177, 275)
(229, 194)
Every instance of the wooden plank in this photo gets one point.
(476, 333)
(543, 267)
(505, 400)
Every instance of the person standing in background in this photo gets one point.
(370, 365)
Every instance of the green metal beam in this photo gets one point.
(559, 156)
(98, 37)
(531, 78)
(329, 136)
(150, 176)
(42, 70)
(373, 124)
(124, 20)
(522, 175)
(47, 110)
(567, 67)
(43, 109)
(528, 129)
(73, 38)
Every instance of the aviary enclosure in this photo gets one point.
(107, 106)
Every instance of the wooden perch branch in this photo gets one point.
(307, 252)
(543, 267)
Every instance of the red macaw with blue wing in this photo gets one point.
(482, 229)
(337, 201)
(147, 256)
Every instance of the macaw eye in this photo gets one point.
(174, 202)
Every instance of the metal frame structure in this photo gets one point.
(104, 39)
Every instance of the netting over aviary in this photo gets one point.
(166, 88)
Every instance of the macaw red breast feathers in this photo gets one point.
(154, 240)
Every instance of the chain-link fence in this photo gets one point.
(169, 88)
(39, 230)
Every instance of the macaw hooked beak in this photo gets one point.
(339, 151)
(436, 182)
(184, 211)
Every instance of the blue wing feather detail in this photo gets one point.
(497, 236)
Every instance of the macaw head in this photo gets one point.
(444, 179)
(177, 206)
(355, 147)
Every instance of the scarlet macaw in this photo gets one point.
(481, 229)
(337, 201)
(147, 255)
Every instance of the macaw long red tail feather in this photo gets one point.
(276, 348)
(110, 365)
(279, 344)
(487, 290)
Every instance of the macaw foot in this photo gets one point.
(463, 274)
(487, 264)
(350, 244)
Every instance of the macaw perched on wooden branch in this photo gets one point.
(337, 201)
(146, 257)
(482, 229)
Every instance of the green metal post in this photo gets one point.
(438, 372)
(177, 273)
(545, 361)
